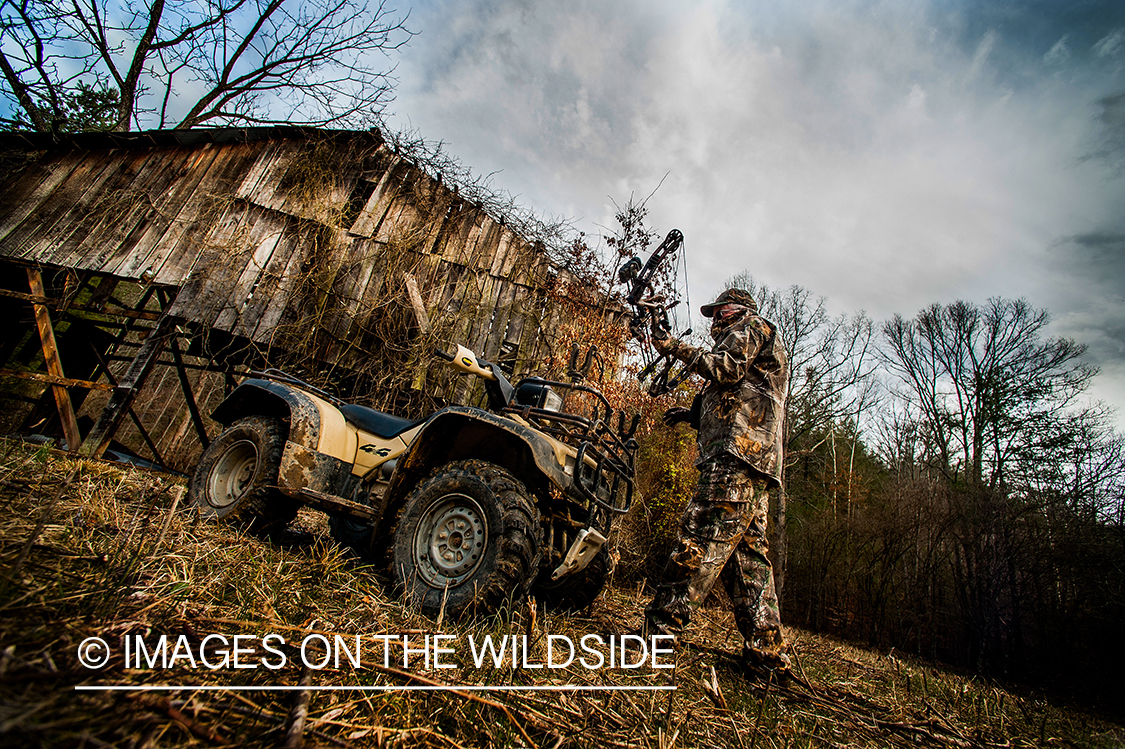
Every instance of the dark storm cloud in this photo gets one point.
(1110, 140)
(1096, 259)
(1100, 244)
(1087, 272)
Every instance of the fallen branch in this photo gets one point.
(294, 734)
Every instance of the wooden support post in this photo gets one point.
(229, 381)
(105, 287)
(54, 365)
(416, 302)
(126, 391)
(51, 380)
(185, 384)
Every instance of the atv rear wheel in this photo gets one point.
(236, 478)
(467, 538)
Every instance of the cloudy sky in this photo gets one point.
(885, 155)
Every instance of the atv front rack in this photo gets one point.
(604, 465)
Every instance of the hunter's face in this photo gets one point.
(727, 311)
(723, 316)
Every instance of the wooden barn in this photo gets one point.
(142, 274)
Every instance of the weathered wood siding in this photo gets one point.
(286, 238)
(241, 227)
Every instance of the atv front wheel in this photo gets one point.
(467, 538)
(236, 479)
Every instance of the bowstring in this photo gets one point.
(687, 286)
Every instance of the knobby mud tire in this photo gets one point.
(236, 478)
(467, 540)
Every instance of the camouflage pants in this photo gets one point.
(722, 536)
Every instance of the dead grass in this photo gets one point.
(88, 549)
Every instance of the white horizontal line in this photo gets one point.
(423, 688)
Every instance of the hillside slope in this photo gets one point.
(91, 550)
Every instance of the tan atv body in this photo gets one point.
(470, 505)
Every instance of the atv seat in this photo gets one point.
(378, 423)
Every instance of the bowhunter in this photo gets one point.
(722, 535)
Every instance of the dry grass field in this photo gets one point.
(90, 549)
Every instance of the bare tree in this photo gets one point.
(988, 389)
(173, 63)
(1031, 478)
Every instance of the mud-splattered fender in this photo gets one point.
(273, 399)
(321, 446)
(462, 433)
(313, 422)
(302, 468)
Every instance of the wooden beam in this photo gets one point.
(185, 384)
(416, 302)
(105, 287)
(33, 298)
(54, 365)
(116, 312)
(108, 311)
(52, 380)
(121, 402)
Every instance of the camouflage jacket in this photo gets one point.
(743, 403)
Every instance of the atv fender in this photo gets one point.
(320, 447)
(273, 399)
(463, 433)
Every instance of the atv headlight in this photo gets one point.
(538, 395)
(552, 401)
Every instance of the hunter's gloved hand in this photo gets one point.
(637, 330)
(661, 336)
(676, 415)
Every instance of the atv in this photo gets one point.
(470, 506)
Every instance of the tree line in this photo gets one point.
(949, 492)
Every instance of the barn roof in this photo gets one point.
(236, 218)
(28, 141)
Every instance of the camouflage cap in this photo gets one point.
(730, 296)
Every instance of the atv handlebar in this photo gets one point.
(604, 475)
(499, 389)
(466, 361)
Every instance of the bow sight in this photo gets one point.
(650, 310)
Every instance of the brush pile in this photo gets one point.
(208, 636)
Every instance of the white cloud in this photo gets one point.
(877, 153)
(1058, 54)
(1111, 45)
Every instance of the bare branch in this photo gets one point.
(309, 62)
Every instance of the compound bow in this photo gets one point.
(651, 309)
